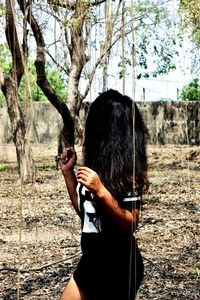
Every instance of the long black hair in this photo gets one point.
(109, 147)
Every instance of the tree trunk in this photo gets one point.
(66, 136)
(23, 150)
(78, 61)
(9, 85)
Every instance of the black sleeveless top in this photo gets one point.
(111, 266)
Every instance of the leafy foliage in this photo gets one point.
(156, 31)
(5, 59)
(29, 83)
(5, 65)
(28, 86)
(191, 91)
(190, 11)
(2, 9)
(157, 39)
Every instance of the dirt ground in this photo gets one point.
(40, 232)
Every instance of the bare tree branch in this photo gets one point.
(67, 40)
(103, 53)
(42, 81)
(13, 43)
(65, 70)
(65, 4)
(97, 2)
(72, 4)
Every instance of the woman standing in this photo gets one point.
(106, 194)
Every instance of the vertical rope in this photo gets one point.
(28, 114)
(188, 146)
(133, 54)
(28, 100)
(20, 243)
(107, 40)
(186, 125)
(95, 50)
(90, 53)
(55, 44)
(20, 208)
(123, 46)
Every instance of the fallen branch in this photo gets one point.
(16, 270)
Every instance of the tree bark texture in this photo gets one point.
(79, 59)
(23, 150)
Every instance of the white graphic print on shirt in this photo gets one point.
(87, 208)
(88, 211)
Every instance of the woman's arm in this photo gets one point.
(122, 217)
(67, 163)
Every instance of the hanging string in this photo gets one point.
(28, 99)
(188, 145)
(88, 23)
(186, 117)
(20, 200)
(133, 52)
(187, 137)
(55, 44)
(28, 116)
(95, 50)
(133, 55)
(107, 41)
(123, 46)
(20, 243)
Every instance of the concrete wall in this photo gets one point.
(46, 125)
(172, 122)
(167, 123)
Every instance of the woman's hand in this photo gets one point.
(68, 160)
(90, 180)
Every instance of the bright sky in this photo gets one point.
(156, 88)
(162, 87)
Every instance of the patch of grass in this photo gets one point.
(197, 272)
(3, 168)
(9, 167)
(47, 166)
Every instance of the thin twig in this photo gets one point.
(40, 268)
